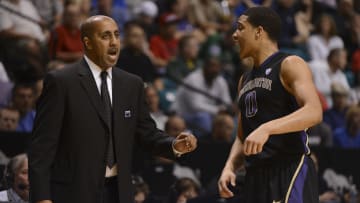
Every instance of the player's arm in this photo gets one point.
(235, 158)
(234, 161)
(297, 79)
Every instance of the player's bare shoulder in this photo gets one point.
(293, 61)
(294, 69)
(294, 65)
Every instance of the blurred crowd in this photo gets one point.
(184, 52)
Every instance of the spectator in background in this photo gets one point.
(65, 42)
(85, 9)
(152, 99)
(23, 99)
(355, 34)
(208, 16)
(9, 119)
(5, 93)
(187, 59)
(335, 116)
(115, 9)
(184, 27)
(16, 178)
(357, 6)
(245, 4)
(223, 128)
(174, 125)
(324, 39)
(328, 72)
(183, 190)
(328, 3)
(50, 11)
(16, 27)
(349, 135)
(355, 57)
(145, 14)
(22, 35)
(185, 62)
(203, 95)
(141, 189)
(343, 17)
(304, 16)
(135, 57)
(326, 194)
(320, 135)
(164, 45)
(160, 173)
(291, 40)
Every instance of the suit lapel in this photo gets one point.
(89, 84)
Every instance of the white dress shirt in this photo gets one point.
(96, 71)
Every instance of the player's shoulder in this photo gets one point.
(294, 67)
(291, 60)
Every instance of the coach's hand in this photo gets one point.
(255, 141)
(185, 142)
(227, 177)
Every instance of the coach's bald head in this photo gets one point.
(100, 36)
(87, 28)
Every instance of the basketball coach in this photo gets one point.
(89, 117)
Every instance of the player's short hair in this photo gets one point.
(266, 18)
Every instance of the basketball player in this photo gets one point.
(278, 102)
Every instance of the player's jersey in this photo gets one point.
(263, 98)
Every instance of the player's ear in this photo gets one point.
(258, 32)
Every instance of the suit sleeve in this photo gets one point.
(45, 136)
(149, 137)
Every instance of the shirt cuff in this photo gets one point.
(176, 152)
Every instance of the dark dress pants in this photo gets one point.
(111, 192)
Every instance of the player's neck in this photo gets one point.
(263, 54)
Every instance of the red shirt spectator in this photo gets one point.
(164, 45)
(356, 61)
(163, 48)
(65, 42)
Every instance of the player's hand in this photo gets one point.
(255, 141)
(227, 177)
(44, 201)
(185, 142)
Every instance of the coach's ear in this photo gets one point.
(87, 43)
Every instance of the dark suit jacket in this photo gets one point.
(68, 145)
